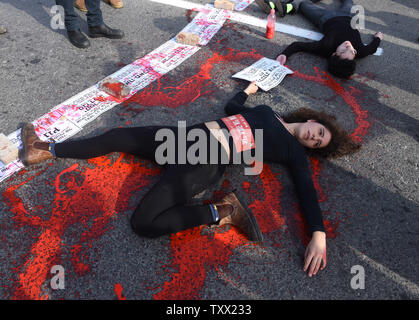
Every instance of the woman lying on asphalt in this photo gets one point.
(163, 209)
(341, 43)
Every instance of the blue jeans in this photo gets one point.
(318, 15)
(94, 14)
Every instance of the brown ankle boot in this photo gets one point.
(239, 217)
(34, 150)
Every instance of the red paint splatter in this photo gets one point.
(92, 200)
(118, 291)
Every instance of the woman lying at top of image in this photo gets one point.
(164, 209)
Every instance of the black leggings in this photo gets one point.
(319, 16)
(163, 209)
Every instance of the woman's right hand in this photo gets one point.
(251, 88)
(282, 58)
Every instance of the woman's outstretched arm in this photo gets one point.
(236, 104)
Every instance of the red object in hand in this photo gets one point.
(270, 27)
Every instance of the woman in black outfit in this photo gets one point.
(341, 43)
(163, 209)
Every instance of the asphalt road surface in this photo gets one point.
(75, 213)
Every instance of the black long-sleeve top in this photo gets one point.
(336, 31)
(280, 146)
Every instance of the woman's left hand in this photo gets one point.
(315, 256)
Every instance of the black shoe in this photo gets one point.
(78, 39)
(104, 31)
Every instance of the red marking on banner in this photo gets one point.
(118, 291)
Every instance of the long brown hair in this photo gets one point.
(340, 144)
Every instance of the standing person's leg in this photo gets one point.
(164, 209)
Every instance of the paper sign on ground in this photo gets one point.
(266, 72)
(204, 30)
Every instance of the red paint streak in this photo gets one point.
(118, 291)
(94, 199)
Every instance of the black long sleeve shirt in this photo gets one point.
(280, 146)
(336, 31)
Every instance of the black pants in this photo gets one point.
(71, 20)
(164, 209)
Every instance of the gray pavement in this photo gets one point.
(76, 213)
